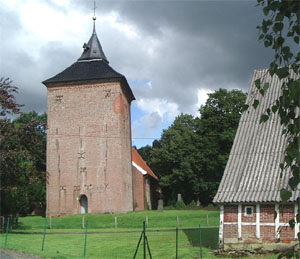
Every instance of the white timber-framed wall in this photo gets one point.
(258, 224)
(221, 227)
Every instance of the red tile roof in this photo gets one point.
(139, 161)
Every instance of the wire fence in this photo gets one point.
(198, 242)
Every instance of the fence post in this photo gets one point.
(144, 238)
(6, 235)
(44, 234)
(82, 222)
(116, 222)
(206, 219)
(85, 238)
(146, 221)
(177, 221)
(176, 242)
(50, 222)
(200, 242)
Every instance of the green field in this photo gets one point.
(128, 221)
(117, 245)
(66, 238)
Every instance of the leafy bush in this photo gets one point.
(180, 205)
(193, 204)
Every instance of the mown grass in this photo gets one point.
(62, 242)
(129, 221)
(121, 244)
(108, 245)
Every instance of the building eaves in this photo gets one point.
(140, 164)
(89, 70)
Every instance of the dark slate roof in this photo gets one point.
(85, 70)
(93, 49)
(252, 173)
(89, 70)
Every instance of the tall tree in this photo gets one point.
(145, 153)
(219, 119)
(192, 152)
(22, 156)
(22, 164)
(8, 104)
(173, 160)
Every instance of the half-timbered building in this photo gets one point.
(251, 213)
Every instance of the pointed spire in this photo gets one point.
(93, 49)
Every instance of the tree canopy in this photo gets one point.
(191, 154)
(23, 156)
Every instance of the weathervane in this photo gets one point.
(94, 17)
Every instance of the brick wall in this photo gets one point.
(248, 232)
(267, 224)
(286, 234)
(267, 233)
(230, 231)
(138, 189)
(230, 213)
(267, 213)
(286, 213)
(88, 149)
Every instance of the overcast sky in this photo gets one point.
(172, 52)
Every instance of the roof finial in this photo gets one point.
(94, 17)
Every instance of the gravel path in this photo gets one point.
(10, 254)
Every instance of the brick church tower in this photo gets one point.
(89, 137)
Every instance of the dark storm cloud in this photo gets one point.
(208, 44)
(196, 44)
(227, 27)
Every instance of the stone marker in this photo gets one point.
(179, 197)
(160, 206)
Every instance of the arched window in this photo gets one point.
(83, 204)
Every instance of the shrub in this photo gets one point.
(180, 205)
(192, 204)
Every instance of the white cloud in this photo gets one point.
(202, 97)
(151, 121)
(162, 107)
(113, 19)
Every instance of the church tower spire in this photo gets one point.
(89, 137)
(93, 49)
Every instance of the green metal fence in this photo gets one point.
(195, 242)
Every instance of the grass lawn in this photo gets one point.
(62, 242)
(117, 245)
(126, 221)
(107, 245)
